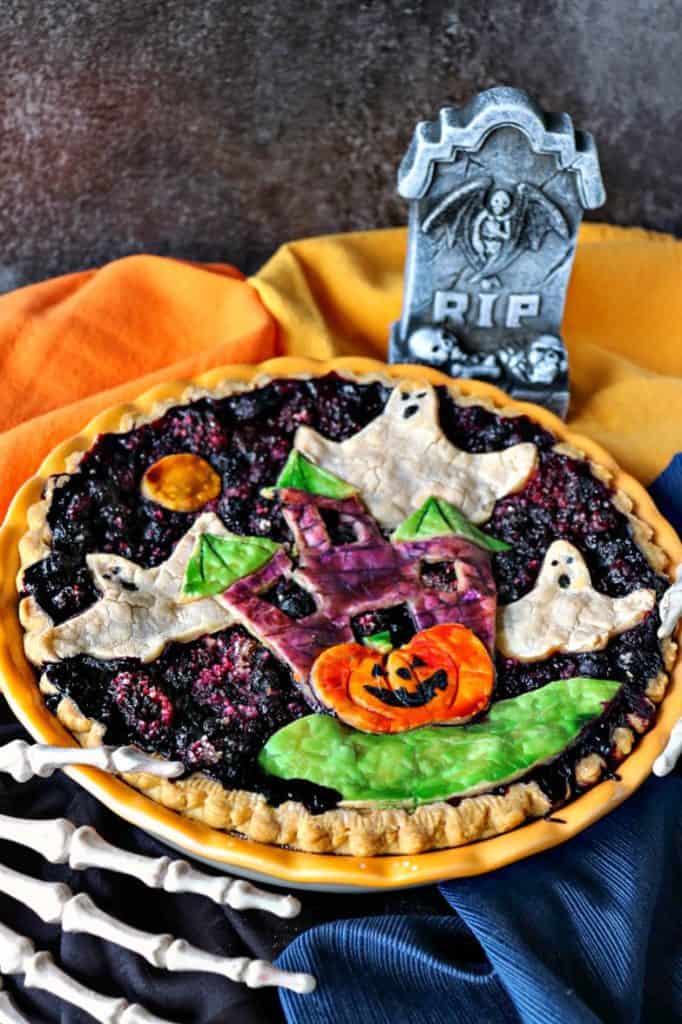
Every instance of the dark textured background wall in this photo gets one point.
(214, 130)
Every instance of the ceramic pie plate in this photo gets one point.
(261, 861)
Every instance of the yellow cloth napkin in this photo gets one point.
(338, 294)
(74, 345)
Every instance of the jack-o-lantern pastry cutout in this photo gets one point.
(182, 482)
(403, 457)
(564, 613)
(444, 674)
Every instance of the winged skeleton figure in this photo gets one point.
(495, 226)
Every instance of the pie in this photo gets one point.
(369, 615)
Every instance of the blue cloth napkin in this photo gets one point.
(588, 932)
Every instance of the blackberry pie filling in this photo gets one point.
(351, 596)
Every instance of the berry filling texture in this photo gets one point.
(214, 702)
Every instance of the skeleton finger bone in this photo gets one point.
(18, 956)
(54, 901)
(59, 841)
(669, 757)
(24, 760)
(8, 1011)
(670, 608)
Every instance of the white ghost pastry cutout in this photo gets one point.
(564, 613)
(139, 610)
(403, 457)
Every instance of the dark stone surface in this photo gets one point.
(217, 130)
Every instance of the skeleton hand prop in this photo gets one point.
(55, 902)
(60, 842)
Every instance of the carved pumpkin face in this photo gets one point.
(444, 674)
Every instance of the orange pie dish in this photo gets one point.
(389, 622)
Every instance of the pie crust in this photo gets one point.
(358, 831)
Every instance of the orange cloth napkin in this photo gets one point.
(72, 346)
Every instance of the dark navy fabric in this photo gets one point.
(666, 490)
(587, 932)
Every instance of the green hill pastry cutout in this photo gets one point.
(217, 561)
(438, 518)
(437, 762)
(302, 474)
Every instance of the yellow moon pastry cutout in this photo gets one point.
(182, 482)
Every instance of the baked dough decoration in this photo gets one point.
(444, 674)
(403, 457)
(346, 580)
(436, 763)
(218, 560)
(181, 482)
(563, 613)
(139, 610)
(361, 830)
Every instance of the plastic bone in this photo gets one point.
(24, 760)
(46, 899)
(18, 956)
(670, 755)
(60, 841)
(670, 608)
(54, 901)
(8, 1011)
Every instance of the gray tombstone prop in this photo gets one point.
(497, 190)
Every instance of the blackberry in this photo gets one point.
(259, 404)
(339, 528)
(291, 599)
(232, 695)
(146, 708)
(62, 585)
(476, 429)
(396, 620)
(342, 407)
(439, 576)
(87, 681)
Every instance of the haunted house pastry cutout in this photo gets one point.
(367, 574)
